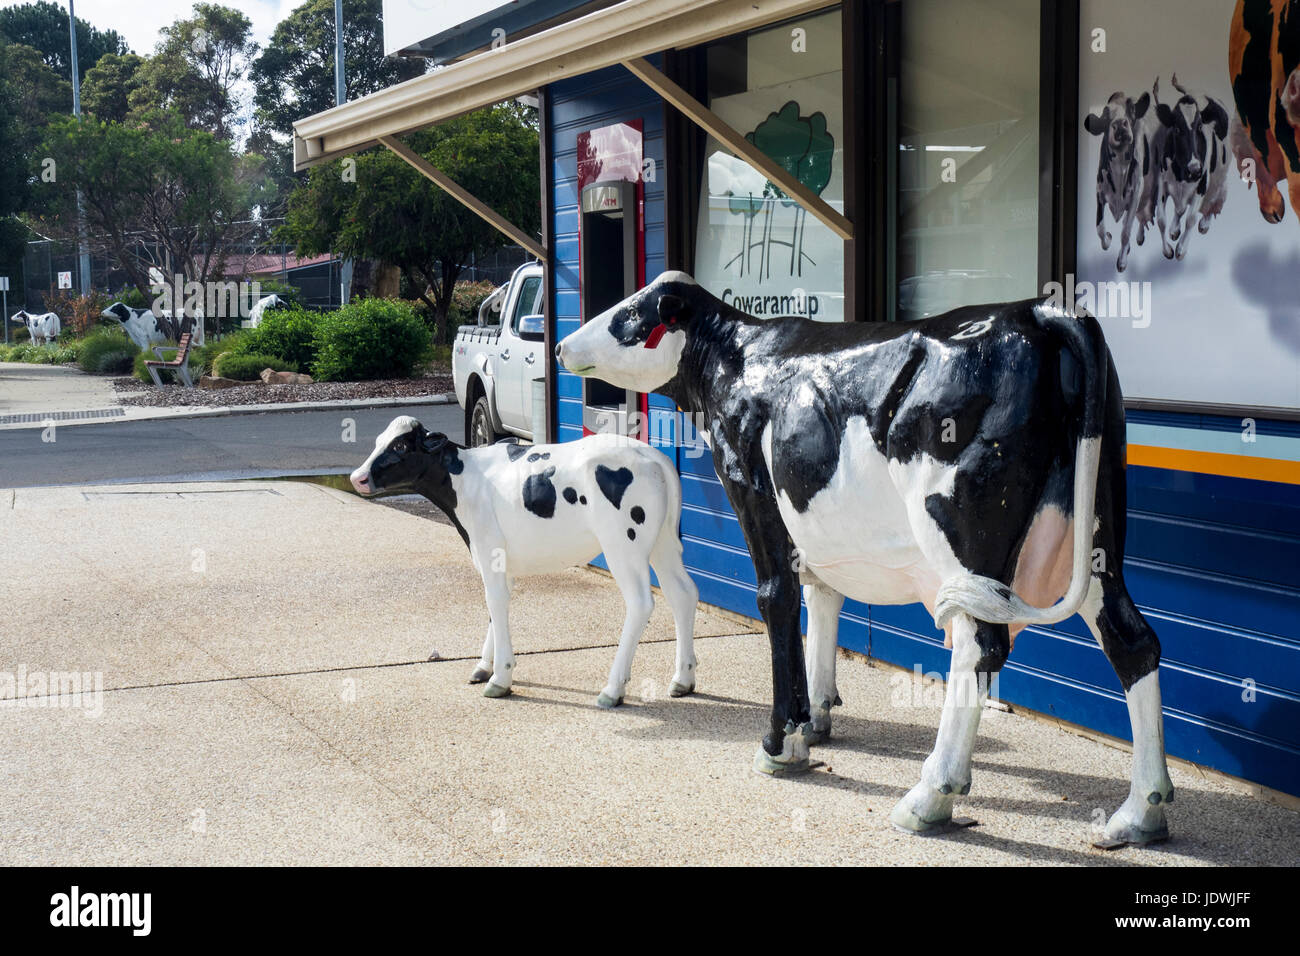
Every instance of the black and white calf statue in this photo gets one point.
(529, 509)
(973, 462)
(146, 329)
(42, 328)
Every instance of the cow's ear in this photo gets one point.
(433, 441)
(1094, 124)
(673, 309)
(1140, 107)
(1214, 113)
(1164, 114)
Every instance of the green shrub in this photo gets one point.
(107, 352)
(248, 367)
(369, 339)
(287, 333)
(23, 352)
(206, 355)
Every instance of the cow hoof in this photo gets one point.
(676, 689)
(495, 690)
(1138, 822)
(926, 810)
(480, 675)
(764, 762)
(606, 702)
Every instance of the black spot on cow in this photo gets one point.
(631, 534)
(613, 483)
(539, 493)
(570, 496)
(638, 514)
(514, 451)
(536, 457)
(582, 499)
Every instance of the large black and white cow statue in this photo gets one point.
(529, 509)
(146, 329)
(43, 328)
(973, 462)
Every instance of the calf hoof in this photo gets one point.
(608, 703)
(676, 689)
(495, 690)
(793, 758)
(480, 675)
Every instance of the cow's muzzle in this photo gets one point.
(361, 482)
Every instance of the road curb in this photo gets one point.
(224, 411)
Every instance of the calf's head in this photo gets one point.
(406, 458)
(118, 311)
(1119, 121)
(1189, 128)
(637, 343)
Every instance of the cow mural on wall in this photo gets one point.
(1264, 65)
(1125, 162)
(531, 509)
(146, 329)
(43, 328)
(973, 462)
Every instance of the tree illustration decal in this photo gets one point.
(804, 147)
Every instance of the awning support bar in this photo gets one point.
(479, 208)
(713, 124)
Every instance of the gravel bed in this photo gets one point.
(131, 391)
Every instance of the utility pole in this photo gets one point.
(83, 254)
(340, 94)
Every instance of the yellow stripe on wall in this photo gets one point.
(1215, 463)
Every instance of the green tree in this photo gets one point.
(196, 69)
(13, 186)
(107, 88)
(157, 193)
(44, 26)
(36, 91)
(294, 75)
(393, 214)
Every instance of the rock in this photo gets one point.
(271, 377)
(212, 383)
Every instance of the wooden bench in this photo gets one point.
(180, 364)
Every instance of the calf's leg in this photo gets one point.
(682, 595)
(497, 587)
(823, 635)
(632, 575)
(483, 669)
(1134, 651)
(978, 652)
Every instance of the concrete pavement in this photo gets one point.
(267, 699)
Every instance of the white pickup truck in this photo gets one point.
(494, 362)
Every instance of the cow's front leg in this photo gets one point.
(978, 652)
(497, 587)
(483, 669)
(823, 636)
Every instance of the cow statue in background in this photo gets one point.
(146, 329)
(1264, 66)
(973, 462)
(259, 309)
(43, 328)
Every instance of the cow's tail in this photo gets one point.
(987, 599)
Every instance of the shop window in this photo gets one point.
(965, 176)
(756, 248)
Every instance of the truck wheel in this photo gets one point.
(478, 427)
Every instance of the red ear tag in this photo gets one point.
(656, 334)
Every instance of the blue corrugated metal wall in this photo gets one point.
(1213, 562)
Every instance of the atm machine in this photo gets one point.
(608, 274)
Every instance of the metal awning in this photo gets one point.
(624, 33)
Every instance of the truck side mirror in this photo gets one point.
(532, 328)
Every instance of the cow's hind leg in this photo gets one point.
(823, 635)
(978, 652)
(632, 575)
(682, 595)
(1134, 651)
(483, 669)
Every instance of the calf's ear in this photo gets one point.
(1140, 107)
(433, 441)
(1094, 124)
(673, 309)
(1214, 113)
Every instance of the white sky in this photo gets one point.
(140, 20)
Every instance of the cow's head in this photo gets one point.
(20, 317)
(406, 458)
(1119, 121)
(119, 311)
(1189, 129)
(638, 343)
